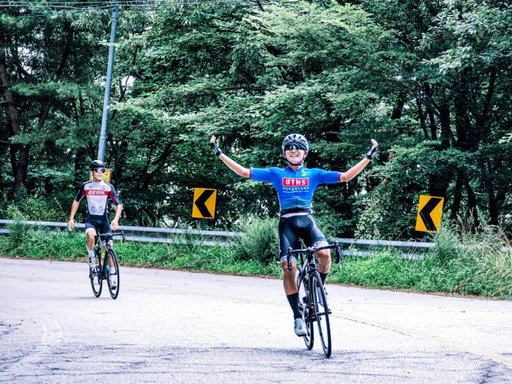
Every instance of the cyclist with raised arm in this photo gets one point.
(97, 191)
(295, 186)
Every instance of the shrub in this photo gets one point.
(36, 209)
(13, 243)
(260, 241)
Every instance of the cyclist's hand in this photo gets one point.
(114, 224)
(71, 224)
(373, 150)
(217, 150)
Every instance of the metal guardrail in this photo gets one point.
(143, 234)
(352, 247)
(361, 247)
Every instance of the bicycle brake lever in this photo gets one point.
(288, 259)
(338, 253)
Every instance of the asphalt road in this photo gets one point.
(181, 327)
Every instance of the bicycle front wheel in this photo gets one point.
(96, 277)
(304, 305)
(112, 273)
(321, 313)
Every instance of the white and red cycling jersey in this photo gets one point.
(97, 195)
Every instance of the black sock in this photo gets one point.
(293, 299)
(323, 276)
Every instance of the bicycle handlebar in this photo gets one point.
(312, 250)
(104, 236)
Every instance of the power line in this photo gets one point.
(29, 9)
(81, 5)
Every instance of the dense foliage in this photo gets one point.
(429, 80)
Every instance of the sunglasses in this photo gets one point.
(99, 170)
(297, 146)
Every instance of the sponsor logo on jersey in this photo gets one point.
(95, 192)
(289, 182)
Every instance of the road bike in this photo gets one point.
(107, 265)
(312, 296)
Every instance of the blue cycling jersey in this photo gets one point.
(295, 188)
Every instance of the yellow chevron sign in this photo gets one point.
(430, 209)
(204, 203)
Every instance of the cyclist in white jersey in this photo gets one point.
(295, 186)
(97, 191)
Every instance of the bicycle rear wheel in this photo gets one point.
(322, 313)
(304, 300)
(95, 276)
(112, 273)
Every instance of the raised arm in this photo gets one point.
(233, 165)
(356, 169)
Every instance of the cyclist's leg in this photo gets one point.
(288, 239)
(90, 233)
(324, 259)
(315, 238)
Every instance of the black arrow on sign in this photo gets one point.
(201, 201)
(425, 213)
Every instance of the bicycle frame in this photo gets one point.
(108, 264)
(312, 294)
(102, 243)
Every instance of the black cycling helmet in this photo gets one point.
(96, 164)
(297, 139)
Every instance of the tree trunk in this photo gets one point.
(20, 178)
(20, 165)
(457, 197)
(421, 115)
(397, 111)
(471, 205)
(446, 132)
(491, 195)
(465, 139)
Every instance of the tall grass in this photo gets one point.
(471, 263)
(386, 269)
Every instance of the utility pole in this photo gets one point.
(104, 120)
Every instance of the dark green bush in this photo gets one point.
(260, 241)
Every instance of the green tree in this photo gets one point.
(251, 75)
(50, 86)
(428, 80)
(454, 78)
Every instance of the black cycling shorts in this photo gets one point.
(99, 223)
(292, 229)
